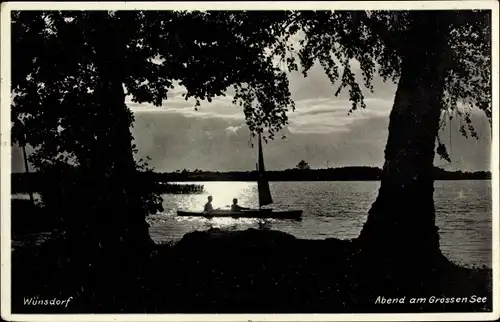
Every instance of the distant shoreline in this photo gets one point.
(331, 174)
(20, 181)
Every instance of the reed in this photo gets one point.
(173, 188)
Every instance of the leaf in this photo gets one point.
(442, 151)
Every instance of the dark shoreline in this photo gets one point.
(22, 182)
(250, 271)
(330, 174)
(224, 271)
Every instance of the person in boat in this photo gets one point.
(208, 205)
(236, 207)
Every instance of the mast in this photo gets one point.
(265, 197)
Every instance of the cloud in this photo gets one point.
(215, 137)
(314, 115)
(318, 110)
(176, 104)
(317, 85)
(234, 129)
(176, 141)
(324, 115)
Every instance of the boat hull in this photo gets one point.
(251, 213)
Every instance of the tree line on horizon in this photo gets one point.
(349, 173)
(22, 184)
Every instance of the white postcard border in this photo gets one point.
(5, 150)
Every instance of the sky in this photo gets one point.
(215, 138)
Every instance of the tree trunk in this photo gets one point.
(111, 165)
(401, 222)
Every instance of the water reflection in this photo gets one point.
(222, 193)
(338, 210)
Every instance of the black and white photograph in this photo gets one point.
(249, 160)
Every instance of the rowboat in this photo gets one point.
(247, 213)
(265, 199)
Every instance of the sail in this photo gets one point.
(265, 197)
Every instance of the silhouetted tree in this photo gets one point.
(441, 62)
(71, 74)
(303, 165)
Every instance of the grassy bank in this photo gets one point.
(252, 271)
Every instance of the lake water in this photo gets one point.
(339, 210)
